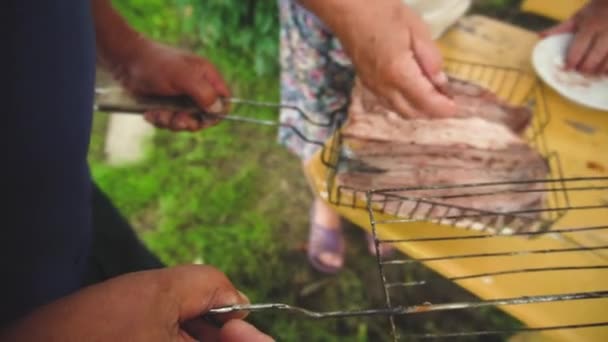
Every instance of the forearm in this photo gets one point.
(117, 42)
(341, 16)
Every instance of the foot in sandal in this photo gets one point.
(326, 242)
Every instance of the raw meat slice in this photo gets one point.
(428, 160)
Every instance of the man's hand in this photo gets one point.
(160, 305)
(588, 51)
(393, 53)
(148, 68)
(161, 70)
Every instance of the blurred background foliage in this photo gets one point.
(247, 29)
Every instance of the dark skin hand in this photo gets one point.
(163, 70)
(148, 68)
(588, 51)
(152, 306)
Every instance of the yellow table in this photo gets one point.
(580, 136)
(555, 9)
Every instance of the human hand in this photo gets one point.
(160, 305)
(588, 51)
(162, 70)
(394, 56)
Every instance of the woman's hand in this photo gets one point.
(393, 53)
(588, 51)
(160, 305)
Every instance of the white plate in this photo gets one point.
(548, 60)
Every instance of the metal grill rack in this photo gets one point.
(511, 85)
(527, 261)
(498, 243)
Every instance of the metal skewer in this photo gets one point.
(408, 310)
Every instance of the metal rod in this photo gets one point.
(483, 213)
(387, 296)
(499, 273)
(280, 105)
(409, 310)
(497, 254)
(530, 270)
(475, 185)
(486, 236)
(396, 198)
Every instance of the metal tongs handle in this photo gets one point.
(117, 100)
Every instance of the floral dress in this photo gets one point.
(316, 76)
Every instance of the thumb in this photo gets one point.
(566, 26)
(237, 330)
(198, 288)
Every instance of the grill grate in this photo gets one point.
(502, 245)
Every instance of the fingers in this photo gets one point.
(216, 80)
(417, 90)
(579, 46)
(398, 103)
(234, 330)
(200, 330)
(199, 288)
(207, 88)
(180, 121)
(566, 26)
(238, 330)
(200, 90)
(429, 59)
(595, 56)
(203, 83)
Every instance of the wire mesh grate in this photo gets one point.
(498, 243)
(501, 261)
(436, 203)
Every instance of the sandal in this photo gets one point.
(386, 250)
(325, 240)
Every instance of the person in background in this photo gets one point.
(588, 51)
(391, 49)
(49, 54)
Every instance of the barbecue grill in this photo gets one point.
(550, 273)
(473, 249)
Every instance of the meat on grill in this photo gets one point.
(482, 144)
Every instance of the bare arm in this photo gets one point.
(117, 43)
(148, 68)
(392, 50)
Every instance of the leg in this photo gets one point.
(316, 77)
(325, 241)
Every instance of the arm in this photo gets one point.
(117, 43)
(392, 51)
(159, 305)
(588, 51)
(145, 67)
